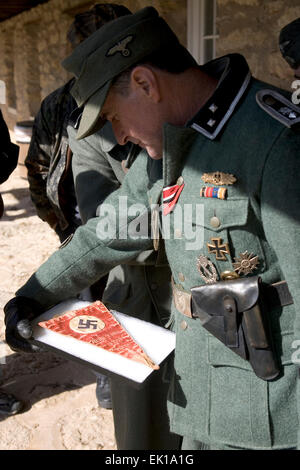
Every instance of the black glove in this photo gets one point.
(19, 311)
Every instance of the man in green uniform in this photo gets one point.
(224, 162)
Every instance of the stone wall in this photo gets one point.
(33, 44)
(252, 27)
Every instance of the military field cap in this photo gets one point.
(89, 21)
(289, 43)
(108, 52)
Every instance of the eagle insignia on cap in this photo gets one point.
(121, 47)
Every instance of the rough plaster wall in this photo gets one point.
(251, 27)
(33, 44)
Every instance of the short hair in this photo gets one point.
(89, 21)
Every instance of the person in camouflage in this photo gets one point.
(48, 163)
(49, 157)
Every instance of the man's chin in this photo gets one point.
(154, 154)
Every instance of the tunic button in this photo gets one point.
(183, 325)
(180, 181)
(181, 277)
(215, 222)
(153, 286)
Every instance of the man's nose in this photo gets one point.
(119, 134)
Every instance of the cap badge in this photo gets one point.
(207, 270)
(218, 178)
(121, 47)
(245, 263)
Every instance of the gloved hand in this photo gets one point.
(19, 311)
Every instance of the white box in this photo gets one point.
(156, 341)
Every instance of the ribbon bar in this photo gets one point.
(170, 197)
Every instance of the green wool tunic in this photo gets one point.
(215, 396)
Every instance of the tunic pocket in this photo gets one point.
(234, 222)
(239, 414)
(246, 411)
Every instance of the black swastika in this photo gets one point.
(87, 324)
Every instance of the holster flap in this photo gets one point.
(209, 299)
(230, 311)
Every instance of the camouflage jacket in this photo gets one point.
(50, 178)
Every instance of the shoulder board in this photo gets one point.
(75, 117)
(279, 107)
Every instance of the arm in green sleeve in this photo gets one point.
(280, 203)
(89, 255)
(280, 199)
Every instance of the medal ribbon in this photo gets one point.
(170, 197)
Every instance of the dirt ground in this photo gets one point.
(61, 411)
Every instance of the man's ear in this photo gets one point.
(145, 80)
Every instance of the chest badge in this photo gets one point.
(246, 263)
(207, 270)
(219, 249)
(218, 178)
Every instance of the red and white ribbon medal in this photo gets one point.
(170, 196)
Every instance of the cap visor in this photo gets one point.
(90, 121)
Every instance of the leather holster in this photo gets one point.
(230, 311)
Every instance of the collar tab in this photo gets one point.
(234, 77)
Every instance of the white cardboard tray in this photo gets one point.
(156, 341)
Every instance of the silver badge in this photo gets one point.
(207, 270)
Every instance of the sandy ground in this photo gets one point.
(61, 410)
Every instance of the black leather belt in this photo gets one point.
(274, 295)
(277, 294)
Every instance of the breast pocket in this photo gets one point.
(232, 233)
